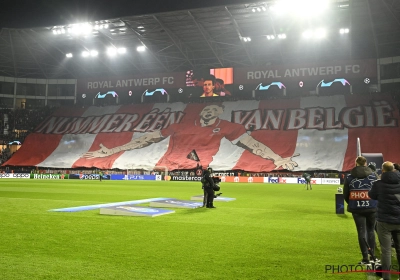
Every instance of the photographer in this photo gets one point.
(208, 186)
(360, 205)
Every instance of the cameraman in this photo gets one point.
(208, 188)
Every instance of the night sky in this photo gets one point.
(40, 13)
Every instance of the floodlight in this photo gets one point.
(69, 55)
(307, 34)
(282, 36)
(54, 32)
(301, 8)
(111, 51)
(94, 53)
(253, 10)
(320, 33)
(85, 53)
(141, 48)
(105, 26)
(121, 50)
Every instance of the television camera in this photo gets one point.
(216, 187)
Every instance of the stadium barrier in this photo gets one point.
(232, 179)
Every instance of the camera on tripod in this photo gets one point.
(216, 187)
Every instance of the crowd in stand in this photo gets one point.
(16, 124)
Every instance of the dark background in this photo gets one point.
(41, 13)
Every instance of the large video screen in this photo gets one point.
(210, 83)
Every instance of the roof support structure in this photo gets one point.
(206, 36)
(139, 37)
(13, 54)
(33, 56)
(50, 55)
(373, 30)
(175, 40)
(237, 28)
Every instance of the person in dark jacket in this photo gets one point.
(355, 192)
(387, 192)
(208, 188)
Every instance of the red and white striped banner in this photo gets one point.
(301, 134)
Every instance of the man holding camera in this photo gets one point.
(208, 187)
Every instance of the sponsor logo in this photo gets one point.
(301, 181)
(185, 178)
(250, 179)
(135, 177)
(356, 195)
(236, 179)
(48, 176)
(89, 176)
(15, 175)
(331, 181)
(282, 180)
(273, 180)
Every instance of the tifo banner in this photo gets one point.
(307, 133)
(14, 175)
(319, 71)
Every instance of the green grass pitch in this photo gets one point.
(269, 232)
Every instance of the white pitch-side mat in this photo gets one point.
(176, 203)
(133, 210)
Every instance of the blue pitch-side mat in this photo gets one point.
(218, 198)
(97, 206)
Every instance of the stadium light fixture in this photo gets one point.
(320, 33)
(344, 30)
(246, 39)
(94, 53)
(69, 55)
(282, 36)
(307, 34)
(304, 8)
(317, 33)
(121, 50)
(111, 51)
(141, 48)
(270, 37)
(85, 53)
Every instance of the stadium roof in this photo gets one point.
(210, 37)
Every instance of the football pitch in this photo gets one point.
(270, 231)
